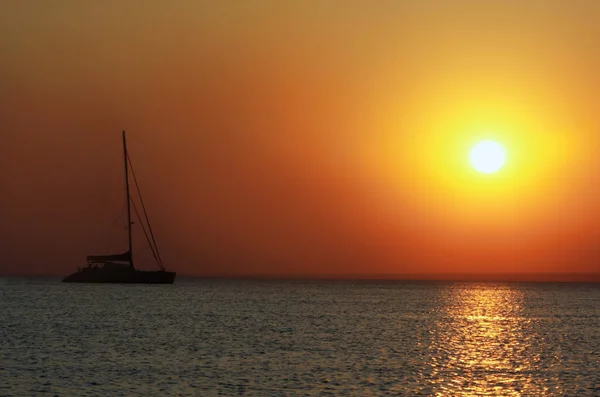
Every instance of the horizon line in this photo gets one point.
(587, 277)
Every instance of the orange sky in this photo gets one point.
(302, 137)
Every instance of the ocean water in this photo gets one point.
(275, 338)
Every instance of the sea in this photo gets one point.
(203, 337)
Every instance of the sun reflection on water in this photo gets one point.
(484, 345)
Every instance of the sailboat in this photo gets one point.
(119, 268)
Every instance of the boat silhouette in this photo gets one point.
(119, 268)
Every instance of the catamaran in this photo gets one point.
(119, 268)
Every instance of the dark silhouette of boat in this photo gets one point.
(119, 268)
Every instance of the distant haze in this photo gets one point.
(302, 137)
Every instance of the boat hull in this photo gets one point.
(124, 276)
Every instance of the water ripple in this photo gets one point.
(299, 339)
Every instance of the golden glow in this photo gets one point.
(483, 345)
(460, 212)
(488, 156)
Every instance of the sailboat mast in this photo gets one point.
(128, 197)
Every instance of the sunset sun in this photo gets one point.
(488, 157)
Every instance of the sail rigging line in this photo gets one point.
(128, 200)
(154, 253)
(145, 233)
(137, 186)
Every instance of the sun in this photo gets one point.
(488, 157)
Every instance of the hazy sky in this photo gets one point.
(302, 137)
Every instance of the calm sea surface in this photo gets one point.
(259, 338)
